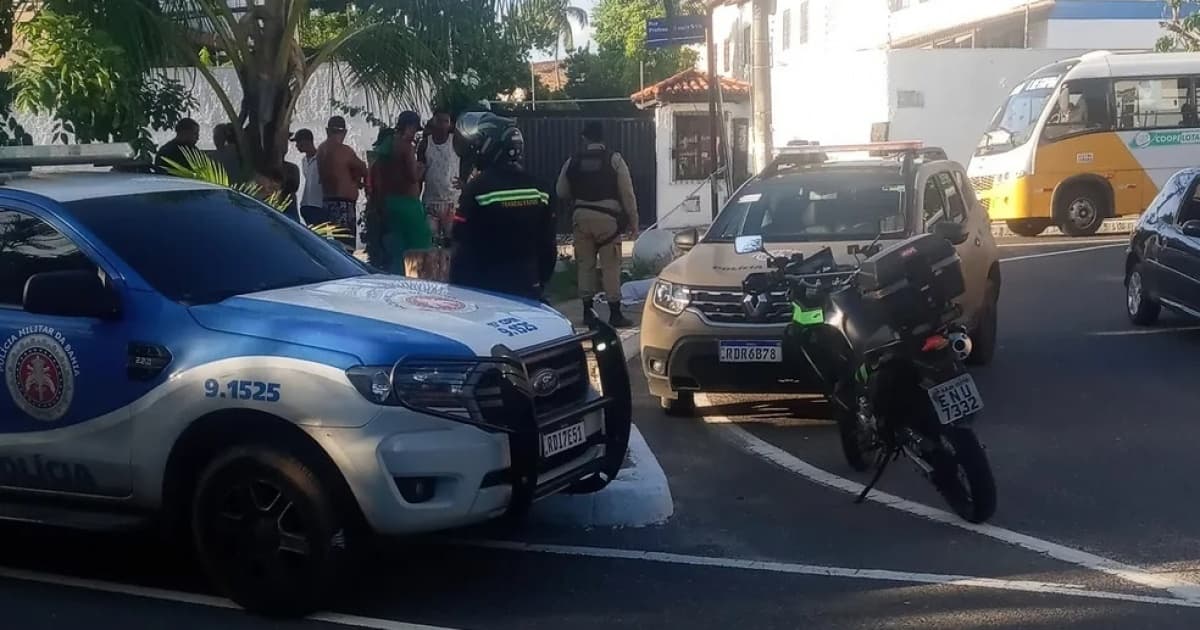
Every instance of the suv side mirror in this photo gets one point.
(956, 233)
(686, 240)
(1191, 227)
(75, 293)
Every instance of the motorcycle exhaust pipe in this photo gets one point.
(960, 343)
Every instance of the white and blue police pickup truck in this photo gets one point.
(177, 353)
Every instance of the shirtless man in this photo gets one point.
(408, 230)
(342, 173)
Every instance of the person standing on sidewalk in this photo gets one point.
(504, 230)
(437, 153)
(342, 173)
(312, 199)
(595, 183)
(407, 234)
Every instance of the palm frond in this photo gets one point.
(385, 58)
(200, 167)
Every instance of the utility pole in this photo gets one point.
(714, 123)
(760, 33)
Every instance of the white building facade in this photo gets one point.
(849, 71)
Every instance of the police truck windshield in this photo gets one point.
(841, 204)
(203, 246)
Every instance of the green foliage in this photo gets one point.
(77, 72)
(616, 68)
(1182, 27)
(320, 28)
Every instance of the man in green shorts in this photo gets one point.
(407, 229)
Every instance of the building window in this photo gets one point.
(746, 39)
(693, 143)
(1154, 103)
(727, 56)
(803, 36)
(786, 30)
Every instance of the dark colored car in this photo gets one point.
(1162, 265)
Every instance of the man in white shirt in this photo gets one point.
(436, 152)
(312, 202)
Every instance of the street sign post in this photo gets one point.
(681, 30)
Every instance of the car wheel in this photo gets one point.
(1081, 211)
(983, 338)
(1140, 307)
(268, 533)
(1028, 227)
(683, 405)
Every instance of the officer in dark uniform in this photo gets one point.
(504, 229)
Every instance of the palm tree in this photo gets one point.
(389, 49)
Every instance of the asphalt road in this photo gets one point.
(1089, 427)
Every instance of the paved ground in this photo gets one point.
(1089, 426)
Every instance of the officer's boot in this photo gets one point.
(615, 318)
(589, 312)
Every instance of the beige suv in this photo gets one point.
(695, 335)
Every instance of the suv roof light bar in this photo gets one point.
(24, 158)
(874, 147)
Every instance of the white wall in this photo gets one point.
(683, 203)
(830, 97)
(1106, 34)
(935, 15)
(961, 89)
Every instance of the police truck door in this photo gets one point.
(64, 419)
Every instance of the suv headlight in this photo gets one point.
(444, 388)
(671, 297)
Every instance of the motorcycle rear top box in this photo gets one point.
(914, 279)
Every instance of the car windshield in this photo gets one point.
(842, 204)
(202, 246)
(1014, 122)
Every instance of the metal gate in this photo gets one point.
(551, 140)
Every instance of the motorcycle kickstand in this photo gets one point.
(887, 458)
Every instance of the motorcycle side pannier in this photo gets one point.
(913, 280)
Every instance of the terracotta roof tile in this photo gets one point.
(689, 85)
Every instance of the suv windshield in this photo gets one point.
(842, 204)
(1014, 122)
(202, 246)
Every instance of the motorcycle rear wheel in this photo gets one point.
(962, 475)
(854, 444)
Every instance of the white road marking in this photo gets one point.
(765, 450)
(1063, 252)
(1081, 241)
(1143, 331)
(1027, 586)
(195, 599)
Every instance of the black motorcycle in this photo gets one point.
(882, 336)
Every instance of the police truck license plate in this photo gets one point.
(751, 352)
(955, 398)
(563, 439)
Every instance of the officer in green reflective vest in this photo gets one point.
(504, 228)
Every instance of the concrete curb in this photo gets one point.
(638, 497)
(1110, 226)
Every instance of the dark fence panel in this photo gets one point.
(550, 140)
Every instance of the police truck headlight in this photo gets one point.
(444, 388)
(670, 297)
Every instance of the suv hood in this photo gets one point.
(380, 318)
(718, 265)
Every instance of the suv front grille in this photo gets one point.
(723, 306)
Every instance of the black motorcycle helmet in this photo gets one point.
(491, 139)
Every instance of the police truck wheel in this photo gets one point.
(1028, 227)
(983, 338)
(1081, 210)
(684, 405)
(268, 533)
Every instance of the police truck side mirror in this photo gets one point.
(748, 244)
(75, 293)
(686, 240)
(956, 233)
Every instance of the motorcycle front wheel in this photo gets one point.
(962, 475)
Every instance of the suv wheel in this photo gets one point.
(983, 338)
(1142, 310)
(683, 405)
(267, 532)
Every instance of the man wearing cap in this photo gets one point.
(312, 200)
(341, 173)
